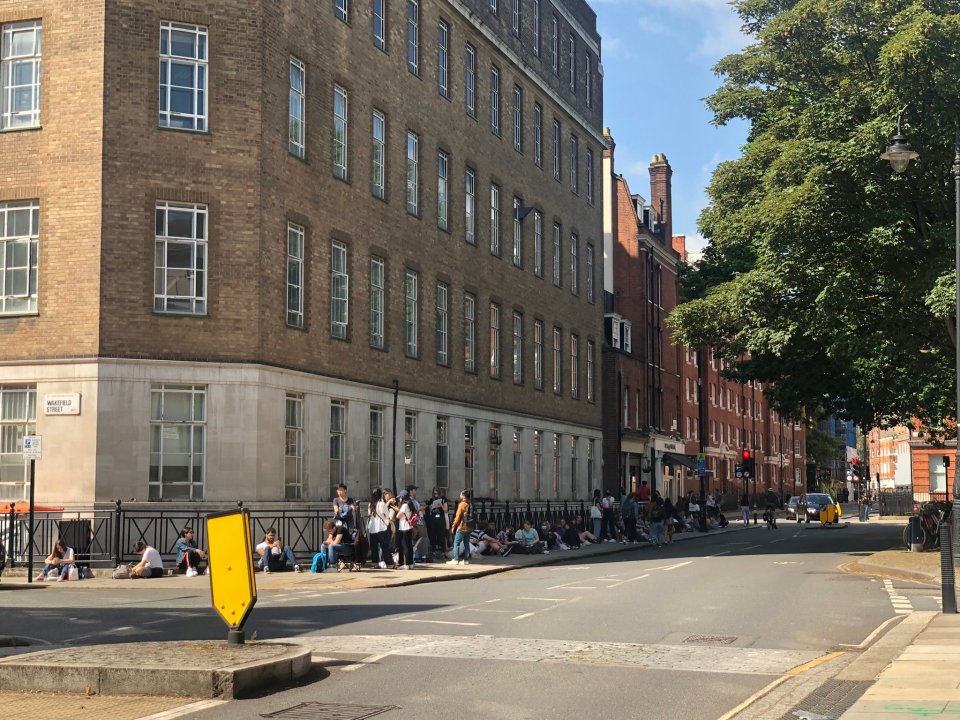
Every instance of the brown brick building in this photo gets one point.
(237, 224)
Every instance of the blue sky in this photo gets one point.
(657, 61)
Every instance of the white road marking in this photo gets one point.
(678, 565)
(570, 567)
(525, 615)
(184, 710)
(366, 661)
(543, 599)
(575, 587)
(725, 552)
(551, 607)
(869, 638)
(751, 547)
(624, 582)
(441, 622)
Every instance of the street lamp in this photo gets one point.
(900, 154)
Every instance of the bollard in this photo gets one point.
(12, 542)
(754, 518)
(948, 588)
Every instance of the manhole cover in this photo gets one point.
(330, 711)
(710, 640)
(828, 701)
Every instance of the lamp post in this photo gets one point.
(900, 154)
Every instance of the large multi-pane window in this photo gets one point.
(495, 219)
(178, 424)
(469, 332)
(338, 444)
(295, 254)
(590, 370)
(380, 24)
(588, 272)
(413, 173)
(574, 462)
(517, 458)
(293, 448)
(590, 196)
(495, 100)
(376, 448)
(556, 464)
(518, 348)
(588, 79)
(493, 461)
(18, 417)
(517, 118)
(180, 269)
(538, 243)
(339, 132)
(557, 360)
(470, 85)
(410, 447)
(538, 354)
(469, 206)
(411, 312)
(469, 453)
(376, 301)
(590, 452)
(536, 27)
(443, 58)
(572, 61)
(515, 17)
(413, 36)
(443, 324)
(574, 164)
(20, 54)
(443, 453)
(557, 256)
(298, 91)
(378, 181)
(557, 170)
(538, 134)
(574, 264)
(183, 76)
(574, 366)
(517, 233)
(19, 248)
(537, 462)
(339, 291)
(342, 9)
(555, 45)
(443, 190)
(494, 340)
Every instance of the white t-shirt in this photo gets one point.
(378, 521)
(152, 558)
(405, 513)
(262, 549)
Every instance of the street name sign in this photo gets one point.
(61, 404)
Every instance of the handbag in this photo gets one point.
(122, 572)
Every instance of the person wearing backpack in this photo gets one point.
(463, 522)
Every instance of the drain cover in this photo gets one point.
(329, 711)
(710, 640)
(828, 701)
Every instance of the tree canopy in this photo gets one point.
(829, 273)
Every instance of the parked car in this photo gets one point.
(790, 509)
(810, 504)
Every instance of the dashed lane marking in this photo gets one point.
(440, 622)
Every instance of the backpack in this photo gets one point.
(470, 516)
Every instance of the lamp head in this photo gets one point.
(900, 154)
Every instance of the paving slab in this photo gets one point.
(80, 706)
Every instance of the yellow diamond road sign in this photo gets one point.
(232, 586)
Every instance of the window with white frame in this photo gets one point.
(557, 169)
(443, 185)
(538, 243)
(517, 456)
(183, 76)
(470, 84)
(20, 60)
(518, 348)
(298, 91)
(574, 264)
(493, 461)
(591, 349)
(557, 255)
(515, 17)
(378, 182)
(537, 463)
(469, 452)
(413, 36)
(589, 163)
(19, 252)
(339, 132)
(338, 444)
(574, 366)
(555, 45)
(413, 173)
(295, 254)
(517, 233)
(574, 465)
(339, 291)
(443, 58)
(538, 134)
(536, 27)
(377, 277)
(574, 164)
(495, 340)
(557, 439)
(494, 219)
(470, 206)
(495, 6)
(443, 453)
(376, 448)
(589, 79)
(495, 100)
(443, 324)
(411, 313)
(572, 61)
(590, 456)
(410, 447)
(469, 332)
(178, 425)
(538, 354)
(557, 360)
(796, 448)
(293, 448)
(518, 118)
(18, 417)
(180, 271)
(588, 272)
(380, 24)
(342, 8)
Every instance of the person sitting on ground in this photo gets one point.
(150, 565)
(570, 536)
(488, 536)
(338, 538)
(585, 535)
(550, 539)
(58, 562)
(188, 554)
(528, 541)
(274, 556)
(505, 538)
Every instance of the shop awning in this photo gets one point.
(689, 461)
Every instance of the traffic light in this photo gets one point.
(946, 461)
(746, 458)
(855, 467)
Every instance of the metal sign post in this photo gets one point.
(32, 452)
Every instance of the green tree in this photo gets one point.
(830, 273)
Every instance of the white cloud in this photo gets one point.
(718, 25)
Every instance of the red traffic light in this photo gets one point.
(745, 454)
(855, 462)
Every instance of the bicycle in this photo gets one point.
(932, 515)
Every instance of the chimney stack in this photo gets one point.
(661, 195)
